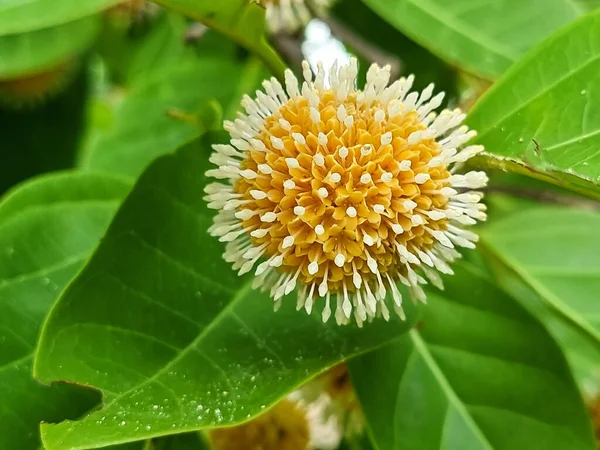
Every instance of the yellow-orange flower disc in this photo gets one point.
(345, 192)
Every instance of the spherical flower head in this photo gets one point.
(283, 427)
(345, 193)
(290, 15)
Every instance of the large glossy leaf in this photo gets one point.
(26, 53)
(47, 228)
(240, 20)
(478, 36)
(143, 128)
(174, 339)
(556, 251)
(582, 353)
(477, 373)
(542, 118)
(18, 16)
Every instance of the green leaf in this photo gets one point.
(481, 37)
(555, 251)
(582, 353)
(174, 339)
(240, 20)
(551, 97)
(19, 16)
(26, 53)
(588, 4)
(145, 127)
(478, 373)
(47, 228)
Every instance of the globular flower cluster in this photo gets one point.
(344, 193)
(290, 15)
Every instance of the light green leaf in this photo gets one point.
(480, 37)
(477, 373)
(47, 228)
(550, 96)
(555, 251)
(19, 16)
(588, 4)
(174, 339)
(145, 124)
(582, 353)
(26, 53)
(240, 20)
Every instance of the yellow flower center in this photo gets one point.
(346, 190)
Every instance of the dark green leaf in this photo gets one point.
(240, 20)
(542, 118)
(174, 339)
(146, 123)
(582, 353)
(481, 37)
(478, 373)
(556, 252)
(47, 228)
(27, 53)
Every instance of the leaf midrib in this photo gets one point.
(443, 382)
(451, 22)
(555, 302)
(193, 344)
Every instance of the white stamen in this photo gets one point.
(319, 160)
(268, 217)
(299, 138)
(365, 178)
(405, 165)
(322, 138)
(258, 195)
(339, 260)
(299, 210)
(421, 178)
(386, 177)
(289, 184)
(292, 163)
(378, 208)
(351, 211)
(320, 230)
(323, 193)
(265, 168)
(288, 241)
(386, 138)
(277, 143)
